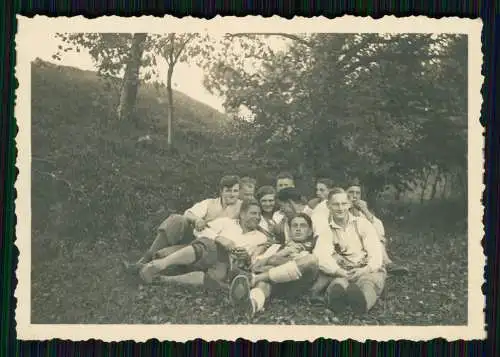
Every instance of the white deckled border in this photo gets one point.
(27, 51)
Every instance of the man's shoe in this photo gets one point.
(239, 294)
(336, 297)
(396, 269)
(357, 299)
(147, 273)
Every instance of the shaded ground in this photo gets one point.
(86, 284)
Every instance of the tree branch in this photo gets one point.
(285, 35)
(182, 46)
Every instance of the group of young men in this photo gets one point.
(271, 241)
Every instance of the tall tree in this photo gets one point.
(174, 48)
(130, 83)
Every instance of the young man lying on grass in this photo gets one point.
(211, 256)
(288, 268)
(177, 230)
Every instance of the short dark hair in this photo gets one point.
(284, 175)
(336, 191)
(354, 182)
(302, 215)
(228, 181)
(265, 190)
(246, 204)
(325, 181)
(289, 194)
(247, 181)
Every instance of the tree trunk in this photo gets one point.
(424, 186)
(434, 185)
(445, 185)
(170, 111)
(130, 83)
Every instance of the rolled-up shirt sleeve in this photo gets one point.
(323, 250)
(372, 244)
(199, 209)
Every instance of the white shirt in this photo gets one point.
(354, 247)
(278, 216)
(212, 208)
(232, 230)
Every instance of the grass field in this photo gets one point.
(97, 195)
(86, 284)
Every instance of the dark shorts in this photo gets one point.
(208, 253)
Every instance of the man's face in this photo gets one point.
(300, 229)
(354, 193)
(230, 194)
(284, 183)
(267, 202)
(251, 218)
(322, 191)
(339, 205)
(247, 192)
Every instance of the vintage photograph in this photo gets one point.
(276, 176)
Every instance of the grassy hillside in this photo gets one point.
(91, 175)
(98, 195)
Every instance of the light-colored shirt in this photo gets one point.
(266, 225)
(320, 209)
(212, 208)
(278, 216)
(355, 249)
(232, 230)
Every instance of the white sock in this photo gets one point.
(258, 297)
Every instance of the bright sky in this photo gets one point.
(192, 87)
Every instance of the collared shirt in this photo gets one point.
(232, 230)
(357, 244)
(212, 208)
(267, 224)
(321, 208)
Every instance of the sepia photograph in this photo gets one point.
(285, 174)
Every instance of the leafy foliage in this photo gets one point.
(346, 105)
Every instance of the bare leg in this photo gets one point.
(196, 278)
(262, 277)
(170, 232)
(184, 256)
(162, 253)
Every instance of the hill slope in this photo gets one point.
(91, 175)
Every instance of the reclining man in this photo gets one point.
(215, 251)
(286, 269)
(350, 256)
(360, 207)
(179, 230)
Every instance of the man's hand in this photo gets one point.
(258, 265)
(355, 273)
(363, 207)
(241, 253)
(341, 273)
(200, 224)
